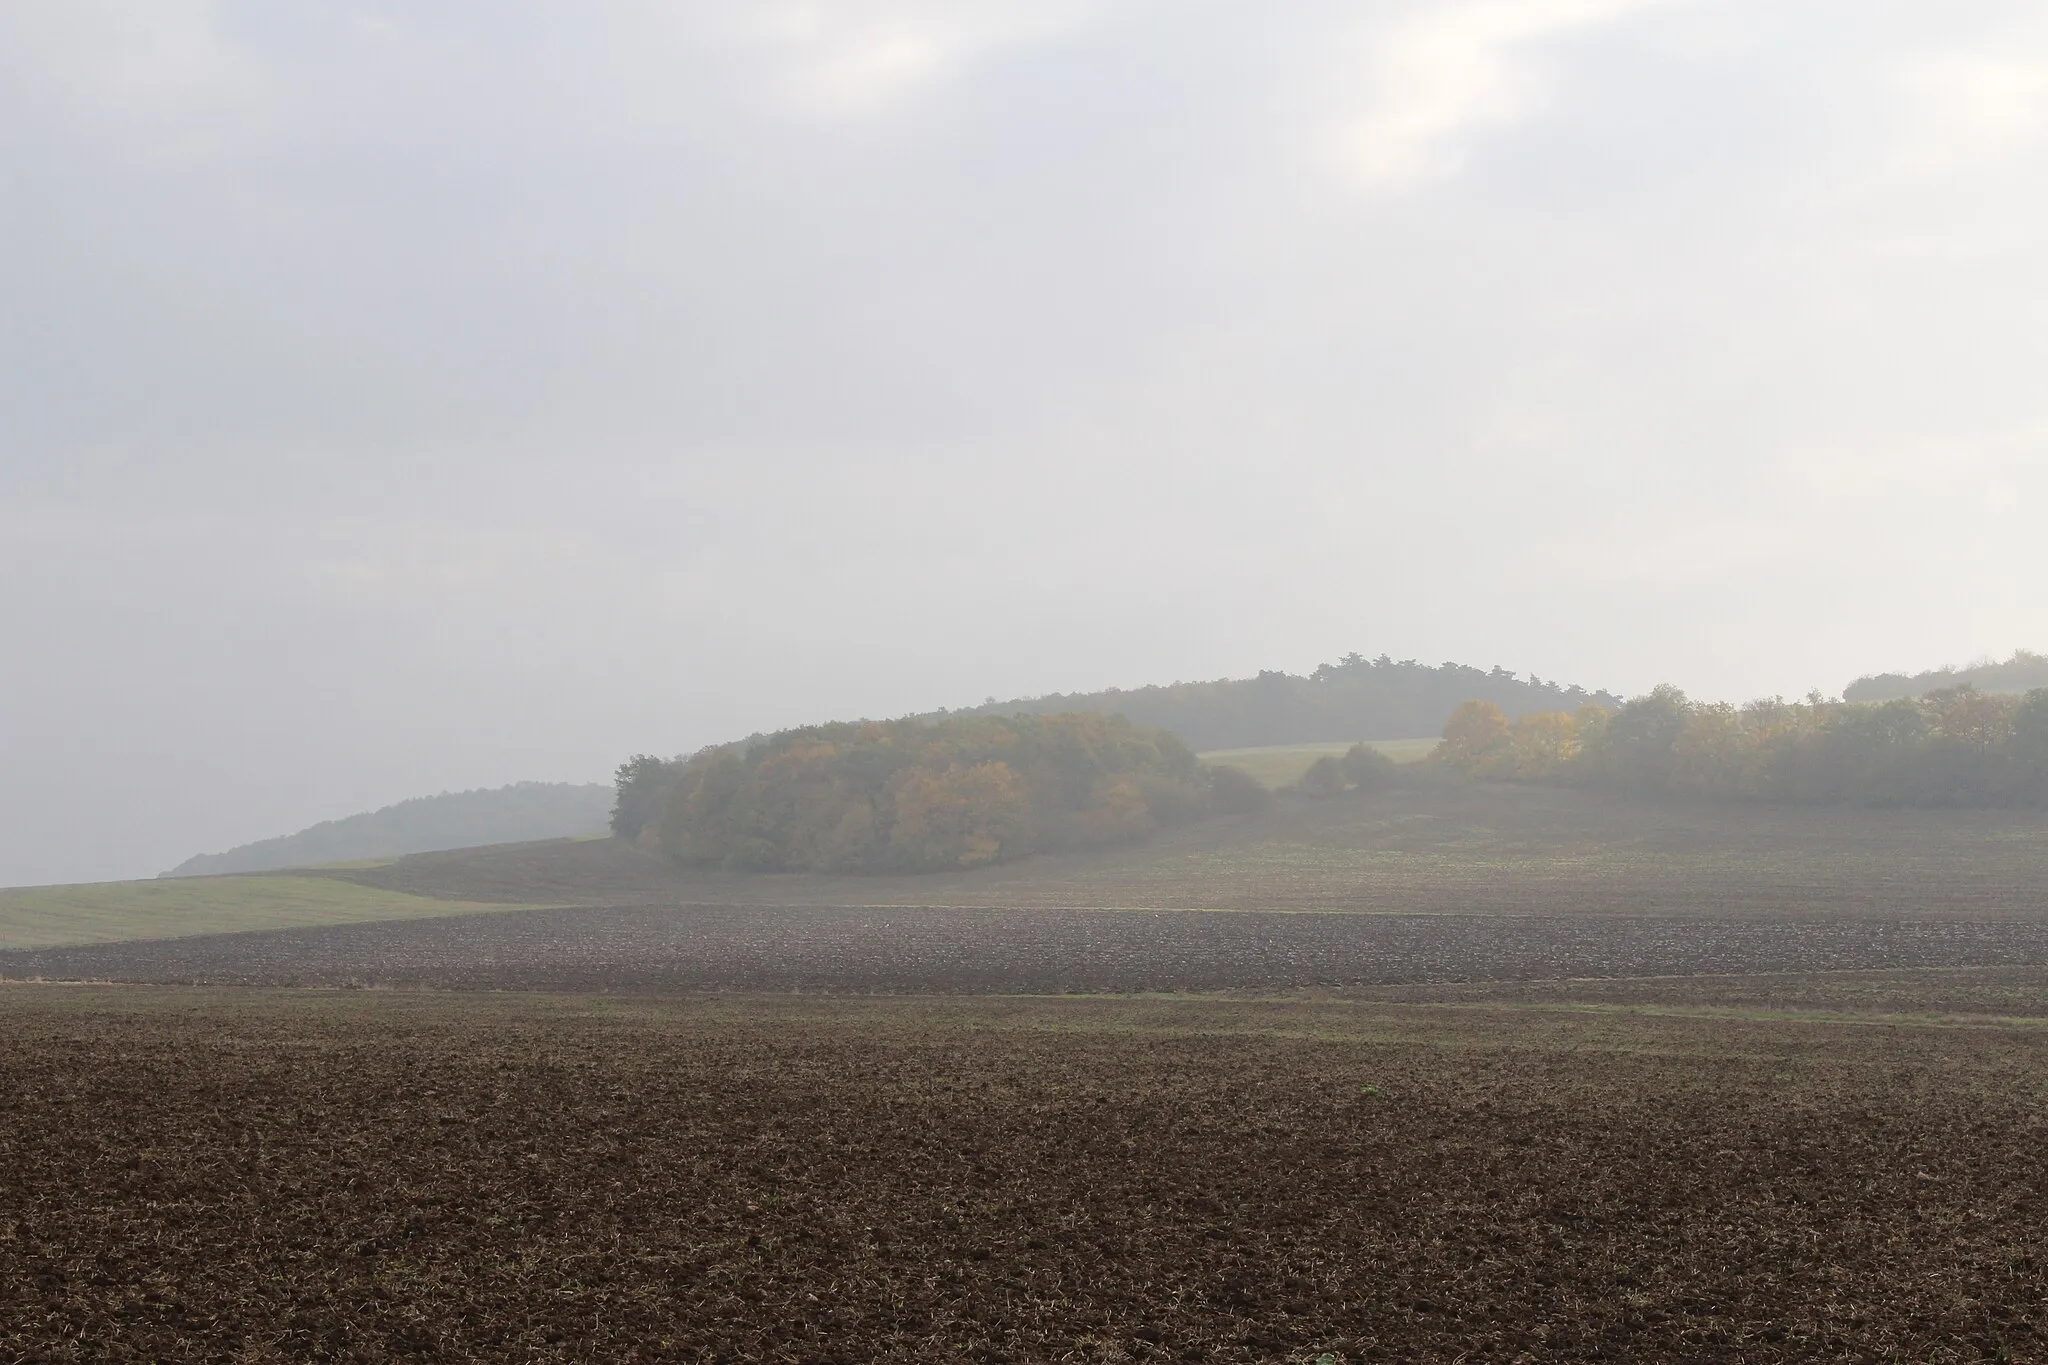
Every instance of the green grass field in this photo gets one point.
(102, 912)
(1280, 764)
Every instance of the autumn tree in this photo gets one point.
(959, 816)
(1540, 746)
(1477, 740)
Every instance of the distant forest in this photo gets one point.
(1953, 747)
(2021, 673)
(504, 815)
(1352, 699)
(913, 795)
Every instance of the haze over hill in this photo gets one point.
(425, 824)
(2024, 671)
(1352, 699)
(679, 372)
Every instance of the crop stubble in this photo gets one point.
(371, 1176)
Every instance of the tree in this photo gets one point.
(1233, 791)
(1476, 740)
(1541, 745)
(1964, 715)
(2030, 744)
(1636, 745)
(1325, 777)
(641, 785)
(958, 816)
(1366, 768)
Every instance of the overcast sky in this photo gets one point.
(398, 397)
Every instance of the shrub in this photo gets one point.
(1325, 777)
(1233, 791)
(1366, 768)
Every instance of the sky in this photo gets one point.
(405, 397)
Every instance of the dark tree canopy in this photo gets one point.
(1354, 698)
(639, 787)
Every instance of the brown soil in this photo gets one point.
(372, 1176)
(1031, 951)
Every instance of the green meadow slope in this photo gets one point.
(1279, 765)
(500, 815)
(105, 912)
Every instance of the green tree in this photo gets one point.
(1233, 791)
(641, 786)
(1636, 747)
(1367, 769)
(1325, 777)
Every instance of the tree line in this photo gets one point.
(1951, 747)
(917, 795)
(1353, 698)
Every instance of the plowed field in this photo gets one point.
(374, 1176)
(939, 949)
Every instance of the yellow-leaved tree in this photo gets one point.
(1477, 740)
(1541, 745)
(962, 816)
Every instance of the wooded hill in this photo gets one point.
(911, 795)
(1352, 699)
(502, 815)
(2023, 672)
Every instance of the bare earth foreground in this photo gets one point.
(258, 1176)
(1448, 1075)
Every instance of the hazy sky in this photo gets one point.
(407, 396)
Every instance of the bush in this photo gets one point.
(1233, 791)
(1325, 777)
(1367, 769)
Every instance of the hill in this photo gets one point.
(515, 814)
(2023, 672)
(1355, 698)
